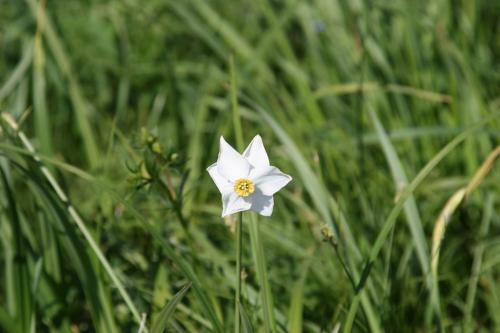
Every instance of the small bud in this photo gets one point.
(328, 235)
(144, 172)
(156, 147)
(243, 273)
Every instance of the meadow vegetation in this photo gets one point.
(385, 113)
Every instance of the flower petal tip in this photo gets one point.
(266, 214)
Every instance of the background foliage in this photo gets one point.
(107, 211)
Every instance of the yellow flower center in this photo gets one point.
(244, 187)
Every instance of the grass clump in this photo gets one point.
(386, 114)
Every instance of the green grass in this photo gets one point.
(385, 113)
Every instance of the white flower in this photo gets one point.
(246, 181)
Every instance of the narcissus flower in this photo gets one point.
(246, 181)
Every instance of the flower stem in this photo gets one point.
(238, 132)
(237, 301)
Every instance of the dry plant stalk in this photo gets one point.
(452, 204)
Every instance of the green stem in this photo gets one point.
(238, 132)
(237, 301)
(178, 212)
(260, 263)
(344, 266)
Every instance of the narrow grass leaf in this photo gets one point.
(297, 300)
(19, 72)
(391, 219)
(22, 291)
(246, 325)
(75, 92)
(161, 322)
(42, 120)
(444, 218)
(400, 180)
(477, 263)
(322, 200)
(6, 321)
(262, 276)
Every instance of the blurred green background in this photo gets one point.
(112, 110)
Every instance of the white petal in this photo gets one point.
(223, 184)
(233, 203)
(256, 153)
(230, 163)
(269, 180)
(262, 204)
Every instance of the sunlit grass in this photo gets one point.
(386, 114)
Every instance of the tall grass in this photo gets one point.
(385, 113)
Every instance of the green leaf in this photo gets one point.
(6, 321)
(262, 277)
(400, 180)
(297, 300)
(160, 323)
(21, 280)
(246, 325)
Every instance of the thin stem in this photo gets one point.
(175, 203)
(344, 266)
(178, 211)
(237, 301)
(238, 132)
(260, 263)
(329, 237)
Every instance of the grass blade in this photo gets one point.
(323, 201)
(400, 180)
(160, 323)
(6, 321)
(76, 218)
(22, 291)
(391, 219)
(18, 72)
(260, 263)
(476, 264)
(246, 325)
(78, 256)
(444, 218)
(79, 104)
(297, 301)
(42, 123)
